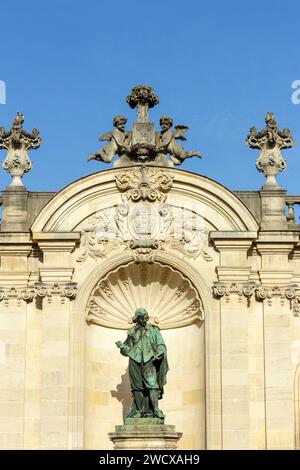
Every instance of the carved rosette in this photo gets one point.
(146, 184)
(171, 300)
(270, 141)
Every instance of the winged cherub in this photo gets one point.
(119, 142)
(166, 141)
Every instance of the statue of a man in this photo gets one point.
(166, 141)
(148, 366)
(119, 142)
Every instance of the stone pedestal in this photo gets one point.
(273, 209)
(15, 212)
(145, 433)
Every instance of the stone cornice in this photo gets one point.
(15, 244)
(235, 240)
(56, 241)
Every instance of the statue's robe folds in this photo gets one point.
(145, 372)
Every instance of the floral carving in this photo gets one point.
(146, 184)
(144, 228)
(100, 234)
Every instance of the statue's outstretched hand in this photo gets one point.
(119, 344)
(159, 356)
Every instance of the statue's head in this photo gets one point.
(119, 122)
(140, 316)
(166, 122)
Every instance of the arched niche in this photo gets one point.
(175, 305)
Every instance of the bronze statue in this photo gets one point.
(148, 366)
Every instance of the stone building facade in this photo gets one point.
(219, 273)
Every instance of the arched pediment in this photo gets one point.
(72, 207)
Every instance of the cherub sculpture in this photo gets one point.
(166, 141)
(119, 142)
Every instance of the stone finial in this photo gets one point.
(270, 141)
(17, 142)
(142, 97)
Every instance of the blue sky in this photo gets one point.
(217, 67)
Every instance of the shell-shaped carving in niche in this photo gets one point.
(170, 299)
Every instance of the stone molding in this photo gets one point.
(260, 292)
(26, 293)
(50, 291)
(39, 289)
(64, 212)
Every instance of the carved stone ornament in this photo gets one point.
(246, 289)
(270, 141)
(28, 293)
(144, 228)
(171, 300)
(261, 292)
(267, 292)
(50, 291)
(143, 145)
(296, 306)
(17, 142)
(146, 184)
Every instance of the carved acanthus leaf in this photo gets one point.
(146, 184)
